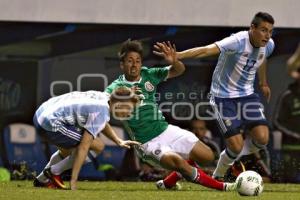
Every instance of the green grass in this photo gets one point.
(23, 190)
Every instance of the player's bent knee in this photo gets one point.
(64, 152)
(209, 156)
(172, 161)
(263, 139)
(202, 153)
(235, 148)
(235, 144)
(97, 146)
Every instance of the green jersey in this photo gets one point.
(147, 121)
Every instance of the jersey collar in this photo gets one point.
(130, 82)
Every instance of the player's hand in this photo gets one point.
(128, 143)
(295, 74)
(265, 89)
(73, 185)
(136, 90)
(167, 51)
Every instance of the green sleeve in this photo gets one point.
(160, 74)
(109, 89)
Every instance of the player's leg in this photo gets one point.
(234, 145)
(228, 115)
(200, 153)
(175, 162)
(96, 148)
(257, 124)
(56, 157)
(55, 178)
(174, 146)
(196, 154)
(66, 140)
(260, 138)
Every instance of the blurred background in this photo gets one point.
(48, 48)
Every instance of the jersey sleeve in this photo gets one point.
(270, 47)
(159, 74)
(229, 44)
(109, 89)
(96, 122)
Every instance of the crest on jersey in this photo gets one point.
(228, 122)
(157, 152)
(149, 87)
(261, 56)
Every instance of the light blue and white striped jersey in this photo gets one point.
(83, 110)
(237, 65)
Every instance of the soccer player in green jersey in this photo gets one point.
(167, 145)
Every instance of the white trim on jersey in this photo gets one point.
(69, 133)
(219, 117)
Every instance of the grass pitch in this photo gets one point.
(23, 190)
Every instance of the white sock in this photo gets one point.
(63, 165)
(246, 148)
(250, 147)
(224, 163)
(255, 147)
(55, 158)
(67, 163)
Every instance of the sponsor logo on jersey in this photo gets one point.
(149, 87)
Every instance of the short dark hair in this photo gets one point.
(130, 46)
(262, 16)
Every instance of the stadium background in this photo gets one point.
(43, 43)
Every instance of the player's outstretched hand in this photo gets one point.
(266, 92)
(128, 143)
(167, 51)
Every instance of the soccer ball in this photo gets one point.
(249, 183)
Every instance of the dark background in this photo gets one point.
(33, 55)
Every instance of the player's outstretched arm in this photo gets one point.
(80, 155)
(199, 52)
(110, 133)
(264, 87)
(168, 52)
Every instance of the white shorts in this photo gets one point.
(173, 139)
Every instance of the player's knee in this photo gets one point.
(202, 153)
(263, 140)
(235, 144)
(210, 156)
(97, 146)
(261, 135)
(173, 162)
(235, 148)
(99, 149)
(64, 152)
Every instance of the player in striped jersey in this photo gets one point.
(232, 90)
(74, 121)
